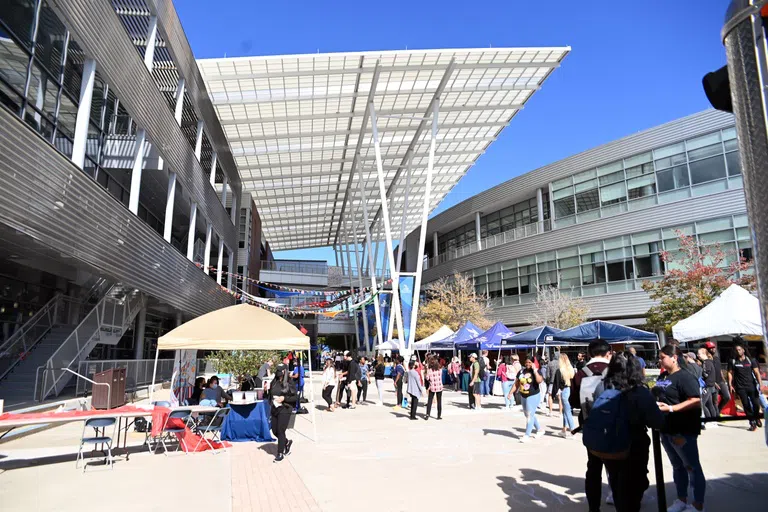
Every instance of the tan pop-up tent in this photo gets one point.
(240, 327)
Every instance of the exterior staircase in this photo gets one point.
(18, 386)
(105, 323)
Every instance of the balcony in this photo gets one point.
(492, 241)
(313, 274)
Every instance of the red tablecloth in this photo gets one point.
(191, 440)
(69, 414)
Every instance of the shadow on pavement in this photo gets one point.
(505, 433)
(536, 489)
(119, 456)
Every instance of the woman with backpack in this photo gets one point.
(527, 383)
(677, 393)
(561, 385)
(626, 459)
(379, 374)
(506, 375)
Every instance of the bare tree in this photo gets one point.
(452, 301)
(556, 309)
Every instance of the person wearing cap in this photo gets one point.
(474, 382)
(722, 388)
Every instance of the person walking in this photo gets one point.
(628, 477)
(353, 379)
(283, 396)
(505, 373)
(744, 381)
(723, 393)
(591, 374)
(709, 393)
(329, 383)
(473, 391)
(561, 386)
(379, 374)
(435, 381)
(552, 368)
(677, 394)
(527, 383)
(399, 375)
(365, 370)
(415, 387)
(516, 367)
(454, 370)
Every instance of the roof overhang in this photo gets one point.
(299, 128)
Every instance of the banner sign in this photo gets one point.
(184, 371)
(406, 299)
(385, 303)
(370, 312)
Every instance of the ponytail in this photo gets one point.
(674, 351)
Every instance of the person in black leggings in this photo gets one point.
(283, 396)
(743, 379)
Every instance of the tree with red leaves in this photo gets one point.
(694, 277)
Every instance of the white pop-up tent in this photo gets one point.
(240, 327)
(440, 334)
(735, 311)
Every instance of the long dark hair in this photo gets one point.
(624, 373)
(673, 350)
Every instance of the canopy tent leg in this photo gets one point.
(154, 374)
(312, 396)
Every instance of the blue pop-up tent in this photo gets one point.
(466, 332)
(534, 337)
(608, 331)
(489, 340)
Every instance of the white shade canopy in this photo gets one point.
(240, 327)
(440, 334)
(735, 311)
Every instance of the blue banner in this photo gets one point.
(406, 299)
(370, 312)
(360, 329)
(385, 303)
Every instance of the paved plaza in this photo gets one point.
(372, 457)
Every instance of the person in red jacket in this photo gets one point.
(600, 354)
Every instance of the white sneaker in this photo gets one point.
(540, 433)
(609, 499)
(525, 439)
(691, 508)
(678, 506)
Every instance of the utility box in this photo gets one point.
(104, 397)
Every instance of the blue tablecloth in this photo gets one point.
(247, 423)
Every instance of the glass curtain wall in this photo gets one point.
(612, 265)
(697, 166)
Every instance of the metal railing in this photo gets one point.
(138, 372)
(15, 348)
(319, 268)
(492, 241)
(105, 323)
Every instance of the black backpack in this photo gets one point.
(482, 371)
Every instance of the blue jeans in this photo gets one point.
(683, 453)
(506, 387)
(565, 394)
(530, 404)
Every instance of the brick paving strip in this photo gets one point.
(258, 484)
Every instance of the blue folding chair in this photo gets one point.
(214, 427)
(99, 426)
(168, 433)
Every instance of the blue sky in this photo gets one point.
(633, 65)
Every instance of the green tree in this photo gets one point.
(695, 275)
(452, 301)
(241, 363)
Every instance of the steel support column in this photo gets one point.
(179, 95)
(220, 264)
(214, 160)
(435, 245)
(540, 209)
(395, 273)
(368, 242)
(83, 112)
(141, 324)
(478, 238)
(207, 255)
(230, 266)
(138, 166)
(199, 139)
(149, 51)
(360, 287)
(169, 199)
(224, 192)
(191, 235)
(424, 217)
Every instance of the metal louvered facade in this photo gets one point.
(509, 266)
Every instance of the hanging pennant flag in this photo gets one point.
(303, 330)
(406, 299)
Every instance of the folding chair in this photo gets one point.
(185, 417)
(148, 438)
(98, 438)
(212, 426)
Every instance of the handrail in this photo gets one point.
(109, 387)
(20, 336)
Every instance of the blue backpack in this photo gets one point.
(606, 429)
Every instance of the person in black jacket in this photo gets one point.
(283, 396)
(628, 478)
(709, 393)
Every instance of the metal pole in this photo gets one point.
(371, 263)
(312, 395)
(395, 274)
(360, 282)
(424, 216)
(154, 373)
(351, 288)
(395, 304)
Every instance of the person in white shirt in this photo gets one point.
(329, 383)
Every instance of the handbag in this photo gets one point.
(497, 389)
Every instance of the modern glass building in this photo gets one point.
(595, 223)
